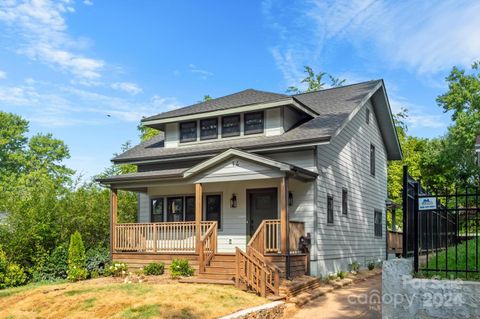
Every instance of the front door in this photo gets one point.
(261, 204)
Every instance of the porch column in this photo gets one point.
(284, 215)
(113, 217)
(198, 215)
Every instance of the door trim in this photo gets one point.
(248, 212)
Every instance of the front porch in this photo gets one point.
(230, 220)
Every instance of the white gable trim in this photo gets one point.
(235, 153)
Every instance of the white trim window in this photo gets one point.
(188, 131)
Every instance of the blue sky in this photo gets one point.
(87, 71)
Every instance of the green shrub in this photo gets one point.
(97, 259)
(76, 258)
(180, 267)
(11, 274)
(154, 269)
(371, 266)
(117, 269)
(55, 265)
(341, 274)
(355, 266)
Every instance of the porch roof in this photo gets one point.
(186, 173)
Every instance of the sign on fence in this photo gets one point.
(427, 203)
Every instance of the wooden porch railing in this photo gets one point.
(255, 275)
(266, 239)
(157, 237)
(208, 247)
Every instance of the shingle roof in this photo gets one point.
(246, 97)
(333, 105)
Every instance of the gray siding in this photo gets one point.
(345, 163)
(143, 208)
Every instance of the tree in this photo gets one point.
(314, 81)
(76, 258)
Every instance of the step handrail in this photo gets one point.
(252, 273)
(208, 247)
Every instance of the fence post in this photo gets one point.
(415, 228)
(405, 210)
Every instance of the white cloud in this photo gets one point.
(129, 87)
(424, 37)
(417, 116)
(88, 2)
(3, 75)
(41, 34)
(204, 74)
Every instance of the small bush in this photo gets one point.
(355, 266)
(180, 268)
(331, 276)
(15, 276)
(54, 266)
(11, 274)
(371, 266)
(97, 259)
(117, 269)
(76, 258)
(154, 269)
(341, 274)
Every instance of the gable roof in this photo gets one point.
(334, 107)
(245, 97)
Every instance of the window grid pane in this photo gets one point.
(344, 201)
(378, 223)
(208, 129)
(231, 126)
(253, 123)
(213, 208)
(330, 209)
(188, 131)
(372, 159)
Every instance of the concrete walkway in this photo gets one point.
(360, 300)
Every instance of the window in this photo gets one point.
(231, 126)
(372, 160)
(188, 131)
(253, 123)
(213, 208)
(174, 209)
(330, 209)
(157, 210)
(378, 223)
(209, 129)
(344, 201)
(367, 115)
(189, 208)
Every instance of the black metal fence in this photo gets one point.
(441, 229)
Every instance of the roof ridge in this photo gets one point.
(336, 87)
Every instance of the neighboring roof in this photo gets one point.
(246, 97)
(182, 173)
(335, 106)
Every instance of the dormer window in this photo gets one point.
(188, 131)
(231, 126)
(208, 129)
(253, 123)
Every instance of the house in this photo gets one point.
(233, 184)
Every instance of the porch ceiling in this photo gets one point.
(257, 167)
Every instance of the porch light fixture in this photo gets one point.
(233, 201)
(290, 198)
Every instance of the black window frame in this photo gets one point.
(152, 214)
(236, 133)
(211, 136)
(377, 223)
(367, 115)
(207, 217)
(372, 160)
(344, 201)
(253, 131)
(330, 217)
(186, 216)
(190, 139)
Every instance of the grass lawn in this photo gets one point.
(110, 298)
(452, 264)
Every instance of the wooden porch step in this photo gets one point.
(207, 281)
(216, 276)
(220, 270)
(223, 264)
(224, 257)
